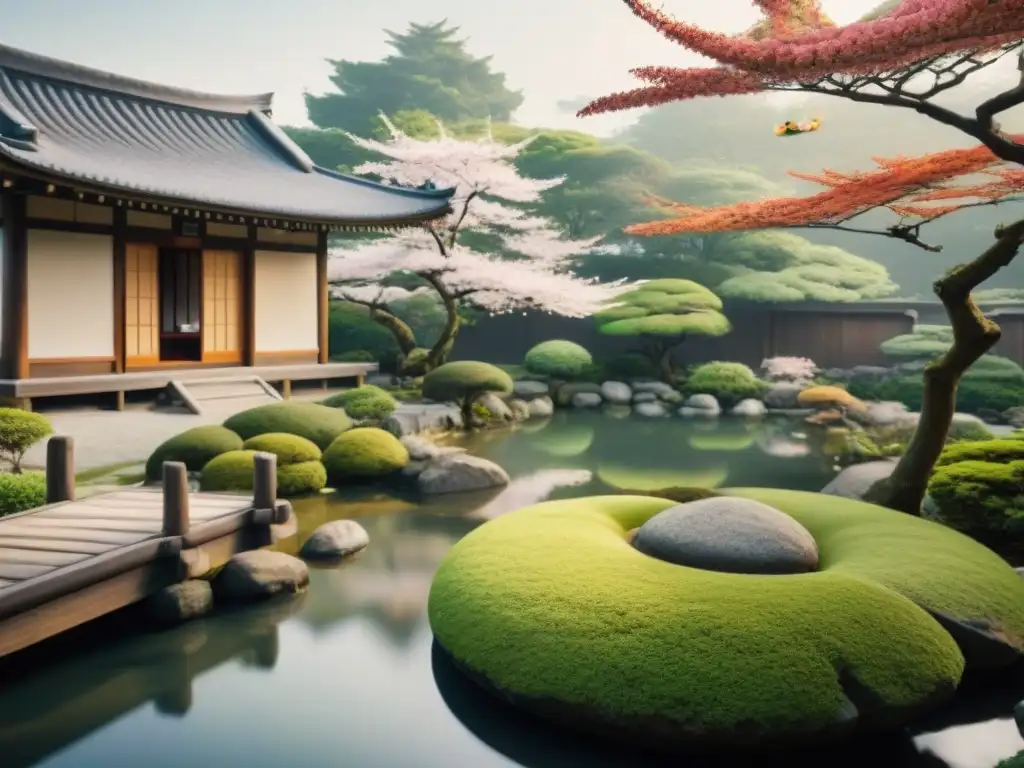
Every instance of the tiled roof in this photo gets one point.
(108, 133)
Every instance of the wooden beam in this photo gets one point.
(15, 280)
(120, 259)
(322, 304)
(249, 299)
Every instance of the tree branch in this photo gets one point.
(1001, 102)
(462, 215)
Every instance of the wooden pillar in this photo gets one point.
(175, 491)
(249, 299)
(286, 389)
(60, 469)
(120, 275)
(15, 286)
(322, 303)
(264, 485)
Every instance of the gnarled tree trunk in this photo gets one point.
(438, 354)
(973, 336)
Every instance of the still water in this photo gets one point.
(346, 675)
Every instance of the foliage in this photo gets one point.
(356, 356)
(1015, 761)
(231, 471)
(364, 453)
(729, 383)
(558, 359)
(301, 479)
(465, 380)
(629, 366)
(364, 403)
(21, 492)
(799, 370)
(430, 69)
(289, 449)
(861, 612)
(317, 423)
(923, 343)
(974, 394)
(997, 451)
(19, 431)
(193, 447)
(354, 337)
(982, 498)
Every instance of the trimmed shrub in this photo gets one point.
(355, 356)
(19, 431)
(981, 498)
(193, 447)
(312, 421)
(464, 381)
(364, 403)
(558, 359)
(302, 479)
(289, 449)
(231, 471)
(21, 492)
(968, 431)
(364, 453)
(727, 382)
(973, 395)
(993, 451)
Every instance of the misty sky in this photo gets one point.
(551, 49)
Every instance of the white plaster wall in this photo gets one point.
(70, 295)
(286, 298)
(3, 288)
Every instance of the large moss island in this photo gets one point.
(554, 609)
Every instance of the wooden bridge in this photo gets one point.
(70, 561)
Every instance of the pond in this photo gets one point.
(347, 674)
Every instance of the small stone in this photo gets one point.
(419, 448)
(586, 400)
(650, 410)
(854, 482)
(703, 403)
(616, 392)
(659, 388)
(541, 407)
(520, 409)
(887, 414)
(180, 602)
(749, 409)
(461, 473)
(527, 390)
(335, 540)
(565, 392)
(730, 535)
(783, 395)
(499, 408)
(645, 397)
(257, 575)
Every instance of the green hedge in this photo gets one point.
(21, 492)
(313, 421)
(233, 472)
(289, 449)
(364, 403)
(729, 383)
(974, 394)
(558, 359)
(364, 453)
(19, 431)
(194, 447)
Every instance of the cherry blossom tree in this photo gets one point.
(490, 253)
(903, 56)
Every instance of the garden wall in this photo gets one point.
(833, 336)
(1012, 342)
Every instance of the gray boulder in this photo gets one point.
(586, 400)
(541, 407)
(728, 534)
(565, 393)
(854, 482)
(650, 410)
(180, 602)
(887, 414)
(783, 395)
(499, 408)
(645, 397)
(414, 418)
(335, 540)
(527, 389)
(700, 406)
(749, 409)
(461, 473)
(616, 392)
(257, 575)
(419, 448)
(659, 388)
(520, 409)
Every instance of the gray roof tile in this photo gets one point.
(114, 134)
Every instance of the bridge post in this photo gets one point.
(264, 482)
(175, 493)
(60, 469)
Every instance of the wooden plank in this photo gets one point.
(6, 583)
(40, 557)
(97, 512)
(21, 571)
(128, 526)
(25, 526)
(55, 545)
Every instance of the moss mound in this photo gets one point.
(301, 479)
(313, 421)
(289, 449)
(362, 454)
(558, 359)
(231, 471)
(364, 403)
(729, 383)
(194, 447)
(21, 492)
(465, 380)
(602, 637)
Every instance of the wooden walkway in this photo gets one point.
(72, 561)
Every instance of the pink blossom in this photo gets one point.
(793, 369)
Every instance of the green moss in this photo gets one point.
(727, 382)
(362, 454)
(312, 421)
(21, 492)
(465, 379)
(982, 498)
(301, 479)
(557, 359)
(601, 625)
(986, 450)
(194, 447)
(619, 476)
(364, 403)
(231, 471)
(289, 449)
(974, 394)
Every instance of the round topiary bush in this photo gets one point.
(706, 657)
(364, 453)
(194, 447)
(21, 492)
(313, 421)
(364, 403)
(289, 449)
(558, 359)
(464, 381)
(727, 382)
(301, 479)
(231, 471)
(19, 431)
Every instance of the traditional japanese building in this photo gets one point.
(153, 235)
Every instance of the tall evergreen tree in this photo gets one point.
(430, 69)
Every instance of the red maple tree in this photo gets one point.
(902, 58)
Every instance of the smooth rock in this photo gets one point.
(783, 395)
(645, 397)
(650, 410)
(565, 393)
(260, 574)
(749, 409)
(887, 414)
(703, 403)
(461, 473)
(697, 413)
(414, 418)
(180, 602)
(855, 481)
(671, 397)
(419, 448)
(616, 392)
(413, 468)
(335, 540)
(527, 389)
(499, 408)
(659, 388)
(520, 409)
(541, 407)
(730, 535)
(585, 400)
